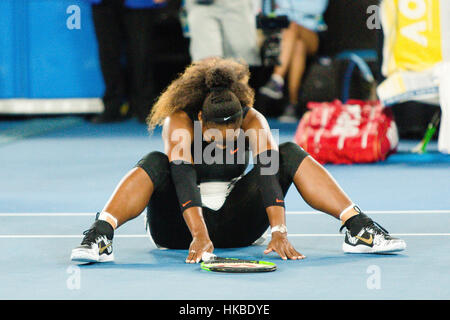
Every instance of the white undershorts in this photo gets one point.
(215, 193)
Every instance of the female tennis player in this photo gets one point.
(198, 193)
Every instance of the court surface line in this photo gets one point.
(80, 214)
(36, 127)
(52, 236)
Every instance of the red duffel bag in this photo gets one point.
(354, 132)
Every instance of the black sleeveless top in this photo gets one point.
(213, 163)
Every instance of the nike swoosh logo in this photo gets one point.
(368, 241)
(101, 249)
(278, 200)
(226, 119)
(186, 203)
(234, 151)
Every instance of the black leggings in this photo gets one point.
(241, 220)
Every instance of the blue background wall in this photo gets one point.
(40, 57)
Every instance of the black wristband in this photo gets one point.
(267, 164)
(184, 178)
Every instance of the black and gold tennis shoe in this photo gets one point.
(96, 245)
(369, 237)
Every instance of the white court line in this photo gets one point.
(370, 212)
(58, 236)
(56, 214)
(80, 214)
(53, 236)
(392, 234)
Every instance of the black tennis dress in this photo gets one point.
(231, 199)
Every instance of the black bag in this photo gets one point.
(320, 82)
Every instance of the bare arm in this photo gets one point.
(178, 135)
(261, 140)
(257, 127)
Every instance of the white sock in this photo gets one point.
(345, 210)
(104, 217)
(278, 79)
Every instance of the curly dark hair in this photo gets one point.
(210, 84)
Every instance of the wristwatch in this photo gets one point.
(280, 228)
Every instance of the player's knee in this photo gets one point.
(156, 164)
(291, 154)
(155, 159)
(290, 148)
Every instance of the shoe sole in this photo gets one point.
(365, 249)
(288, 119)
(87, 257)
(271, 94)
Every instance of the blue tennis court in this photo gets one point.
(56, 173)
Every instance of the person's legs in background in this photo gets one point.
(297, 44)
(107, 18)
(274, 87)
(306, 44)
(140, 40)
(205, 31)
(238, 23)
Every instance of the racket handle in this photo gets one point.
(428, 136)
(431, 129)
(207, 256)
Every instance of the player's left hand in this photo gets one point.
(281, 245)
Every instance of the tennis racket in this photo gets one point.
(431, 129)
(232, 265)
